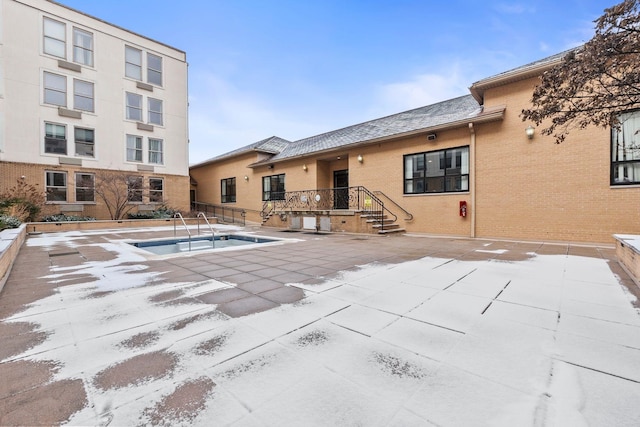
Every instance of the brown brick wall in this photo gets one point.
(176, 188)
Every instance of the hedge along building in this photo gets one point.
(82, 99)
(463, 167)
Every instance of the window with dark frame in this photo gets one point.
(441, 171)
(228, 190)
(273, 187)
(625, 150)
(85, 187)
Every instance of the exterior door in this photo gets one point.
(341, 189)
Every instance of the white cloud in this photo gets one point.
(420, 90)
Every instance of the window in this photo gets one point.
(155, 190)
(155, 151)
(54, 38)
(55, 89)
(133, 63)
(55, 138)
(154, 69)
(134, 148)
(134, 189)
(85, 186)
(155, 111)
(82, 47)
(440, 171)
(228, 190)
(56, 186)
(625, 150)
(82, 95)
(134, 107)
(273, 187)
(84, 141)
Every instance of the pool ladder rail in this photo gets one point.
(184, 224)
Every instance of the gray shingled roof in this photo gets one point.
(430, 116)
(271, 145)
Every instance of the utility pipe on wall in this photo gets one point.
(472, 178)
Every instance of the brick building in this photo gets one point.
(83, 102)
(463, 167)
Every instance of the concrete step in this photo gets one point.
(392, 231)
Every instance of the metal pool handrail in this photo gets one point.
(213, 234)
(179, 215)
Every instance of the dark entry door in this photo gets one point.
(341, 189)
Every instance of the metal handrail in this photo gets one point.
(179, 215)
(221, 212)
(213, 234)
(356, 198)
(409, 214)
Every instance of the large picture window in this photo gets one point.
(273, 187)
(441, 171)
(625, 150)
(228, 190)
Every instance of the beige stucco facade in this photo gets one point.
(30, 104)
(519, 188)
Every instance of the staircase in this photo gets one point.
(390, 226)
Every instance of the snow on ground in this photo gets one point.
(552, 340)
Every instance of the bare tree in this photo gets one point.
(117, 191)
(593, 83)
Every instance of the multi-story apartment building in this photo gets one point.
(85, 104)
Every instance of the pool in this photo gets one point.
(200, 243)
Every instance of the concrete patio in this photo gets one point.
(317, 329)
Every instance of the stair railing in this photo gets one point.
(408, 214)
(213, 234)
(184, 224)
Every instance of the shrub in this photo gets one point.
(160, 213)
(63, 218)
(7, 221)
(23, 201)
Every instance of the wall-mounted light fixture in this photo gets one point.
(246, 178)
(530, 130)
(270, 167)
(360, 158)
(431, 137)
(304, 167)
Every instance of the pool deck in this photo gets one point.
(319, 329)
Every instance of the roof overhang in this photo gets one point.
(487, 115)
(478, 89)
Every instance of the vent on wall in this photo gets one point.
(431, 137)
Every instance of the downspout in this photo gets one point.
(472, 178)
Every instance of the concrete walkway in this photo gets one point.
(318, 330)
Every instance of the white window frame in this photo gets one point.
(51, 41)
(134, 193)
(54, 90)
(80, 184)
(133, 63)
(84, 142)
(156, 151)
(82, 54)
(134, 109)
(154, 111)
(134, 148)
(83, 95)
(52, 188)
(54, 137)
(154, 74)
(156, 195)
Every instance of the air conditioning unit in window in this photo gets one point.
(431, 137)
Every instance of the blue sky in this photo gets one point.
(299, 68)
